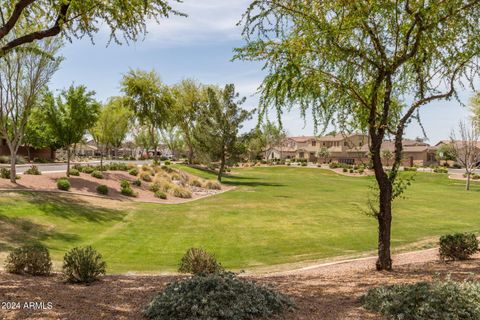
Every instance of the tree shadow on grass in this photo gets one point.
(15, 232)
(247, 181)
(73, 208)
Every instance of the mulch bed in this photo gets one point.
(332, 295)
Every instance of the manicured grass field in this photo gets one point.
(275, 215)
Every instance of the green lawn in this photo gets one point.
(275, 215)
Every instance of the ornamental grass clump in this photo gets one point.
(33, 170)
(220, 296)
(83, 265)
(197, 261)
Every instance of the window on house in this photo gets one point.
(302, 155)
(345, 143)
(324, 144)
(314, 143)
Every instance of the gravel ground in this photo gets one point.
(323, 292)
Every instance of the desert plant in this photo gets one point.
(63, 184)
(197, 260)
(410, 169)
(83, 265)
(426, 301)
(161, 195)
(221, 296)
(102, 189)
(31, 259)
(167, 163)
(74, 172)
(137, 182)
(88, 169)
(126, 189)
(154, 187)
(146, 176)
(133, 172)
(97, 174)
(33, 170)
(5, 174)
(458, 246)
(180, 192)
(214, 185)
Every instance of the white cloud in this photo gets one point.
(208, 21)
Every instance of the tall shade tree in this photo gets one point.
(112, 125)
(218, 124)
(126, 19)
(367, 64)
(70, 115)
(189, 96)
(150, 101)
(24, 74)
(173, 139)
(475, 108)
(38, 134)
(465, 146)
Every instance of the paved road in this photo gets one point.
(53, 167)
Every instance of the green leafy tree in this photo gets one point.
(38, 134)
(112, 125)
(150, 101)
(218, 124)
(125, 19)
(70, 115)
(143, 138)
(173, 139)
(24, 75)
(189, 96)
(475, 108)
(446, 153)
(354, 62)
(323, 154)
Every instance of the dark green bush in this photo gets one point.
(410, 169)
(161, 195)
(87, 169)
(102, 189)
(137, 182)
(426, 301)
(5, 173)
(440, 170)
(167, 163)
(97, 174)
(83, 265)
(126, 190)
(63, 184)
(458, 246)
(118, 166)
(33, 170)
(31, 259)
(154, 187)
(133, 172)
(220, 296)
(74, 172)
(197, 260)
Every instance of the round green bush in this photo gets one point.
(74, 172)
(33, 259)
(220, 296)
(197, 261)
(426, 301)
(161, 195)
(167, 163)
(63, 184)
(97, 174)
(133, 172)
(458, 246)
(33, 170)
(137, 182)
(102, 189)
(83, 265)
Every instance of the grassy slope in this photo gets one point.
(275, 215)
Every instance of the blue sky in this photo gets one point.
(200, 47)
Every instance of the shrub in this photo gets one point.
(145, 176)
(145, 167)
(97, 174)
(410, 169)
(74, 172)
(426, 301)
(102, 189)
(181, 192)
(213, 185)
(167, 163)
(33, 170)
(83, 265)
(304, 164)
(154, 187)
(63, 184)
(361, 171)
(118, 166)
(458, 246)
(31, 259)
(197, 261)
(133, 172)
(137, 182)
(221, 296)
(350, 170)
(345, 170)
(5, 173)
(126, 190)
(161, 195)
(440, 170)
(88, 169)
(195, 183)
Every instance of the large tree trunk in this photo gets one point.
(222, 168)
(190, 153)
(384, 214)
(13, 164)
(68, 161)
